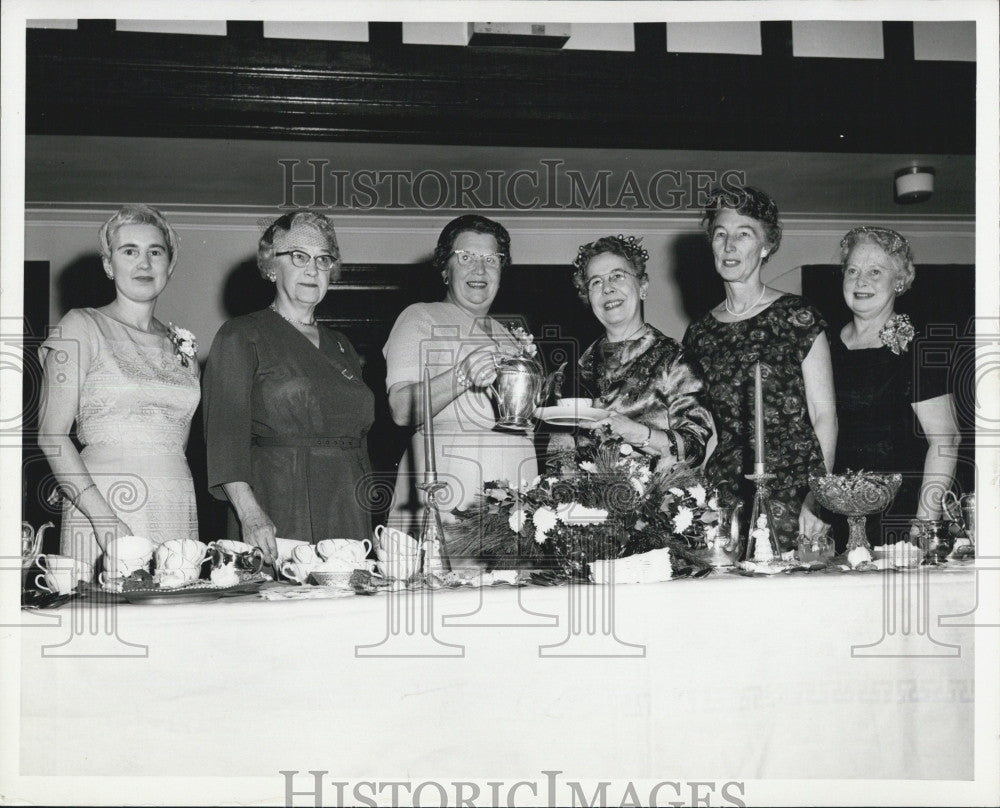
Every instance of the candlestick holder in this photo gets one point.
(761, 507)
(431, 529)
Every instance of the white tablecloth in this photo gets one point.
(726, 678)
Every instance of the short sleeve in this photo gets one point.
(806, 324)
(226, 394)
(72, 344)
(931, 379)
(402, 349)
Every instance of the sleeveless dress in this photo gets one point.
(136, 404)
(468, 450)
(780, 337)
(878, 429)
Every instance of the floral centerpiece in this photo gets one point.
(609, 502)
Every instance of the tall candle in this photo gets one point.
(758, 420)
(430, 465)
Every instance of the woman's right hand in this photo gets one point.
(105, 533)
(480, 366)
(260, 533)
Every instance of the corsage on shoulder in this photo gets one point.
(897, 333)
(185, 345)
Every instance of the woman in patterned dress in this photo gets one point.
(656, 398)
(130, 384)
(756, 323)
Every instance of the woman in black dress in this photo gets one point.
(286, 410)
(756, 323)
(894, 416)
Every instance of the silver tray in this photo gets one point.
(188, 594)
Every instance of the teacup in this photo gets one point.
(398, 555)
(177, 557)
(51, 562)
(347, 549)
(126, 554)
(293, 550)
(58, 582)
(298, 571)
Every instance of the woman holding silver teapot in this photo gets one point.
(461, 346)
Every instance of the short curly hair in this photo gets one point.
(892, 243)
(283, 224)
(138, 213)
(747, 201)
(628, 247)
(471, 223)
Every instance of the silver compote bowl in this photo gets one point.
(856, 495)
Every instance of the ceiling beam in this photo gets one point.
(247, 86)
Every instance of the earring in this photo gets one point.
(899, 288)
(271, 277)
(111, 275)
(642, 295)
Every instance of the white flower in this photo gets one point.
(762, 520)
(576, 514)
(626, 449)
(858, 556)
(713, 502)
(498, 494)
(683, 520)
(698, 492)
(586, 465)
(544, 519)
(517, 518)
(638, 485)
(677, 492)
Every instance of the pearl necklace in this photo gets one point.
(274, 308)
(746, 312)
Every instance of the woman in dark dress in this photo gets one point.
(286, 410)
(656, 397)
(892, 417)
(786, 335)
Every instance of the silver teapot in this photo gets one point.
(31, 542)
(519, 387)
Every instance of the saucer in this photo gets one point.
(571, 416)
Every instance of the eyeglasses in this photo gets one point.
(466, 258)
(324, 262)
(615, 277)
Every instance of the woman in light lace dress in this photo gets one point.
(130, 383)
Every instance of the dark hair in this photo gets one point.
(892, 243)
(283, 224)
(627, 247)
(746, 201)
(471, 223)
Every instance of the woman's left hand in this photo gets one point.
(625, 428)
(809, 523)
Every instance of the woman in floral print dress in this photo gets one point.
(755, 323)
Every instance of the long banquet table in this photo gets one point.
(725, 677)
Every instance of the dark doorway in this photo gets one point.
(36, 478)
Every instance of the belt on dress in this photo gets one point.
(309, 441)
